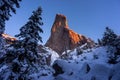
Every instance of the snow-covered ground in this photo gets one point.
(54, 56)
(92, 64)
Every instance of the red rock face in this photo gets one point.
(9, 39)
(62, 38)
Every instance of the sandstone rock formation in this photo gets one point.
(62, 38)
(9, 39)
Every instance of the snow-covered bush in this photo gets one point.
(112, 41)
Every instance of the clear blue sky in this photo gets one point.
(87, 17)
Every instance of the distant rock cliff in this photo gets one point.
(9, 39)
(62, 38)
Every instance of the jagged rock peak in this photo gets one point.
(62, 38)
(60, 21)
(60, 18)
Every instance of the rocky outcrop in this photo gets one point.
(62, 38)
(58, 69)
(9, 39)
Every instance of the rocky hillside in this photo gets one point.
(62, 38)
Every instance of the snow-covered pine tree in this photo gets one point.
(112, 41)
(117, 45)
(29, 35)
(6, 6)
(22, 55)
(108, 37)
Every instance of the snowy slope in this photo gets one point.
(53, 55)
(40, 71)
(88, 66)
(92, 64)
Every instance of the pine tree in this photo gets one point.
(23, 55)
(117, 45)
(112, 41)
(28, 43)
(29, 34)
(108, 37)
(99, 42)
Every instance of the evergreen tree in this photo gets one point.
(28, 42)
(22, 55)
(29, 33)
(99, 42)
(112, 41)
(108, 37)
(117, 45)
